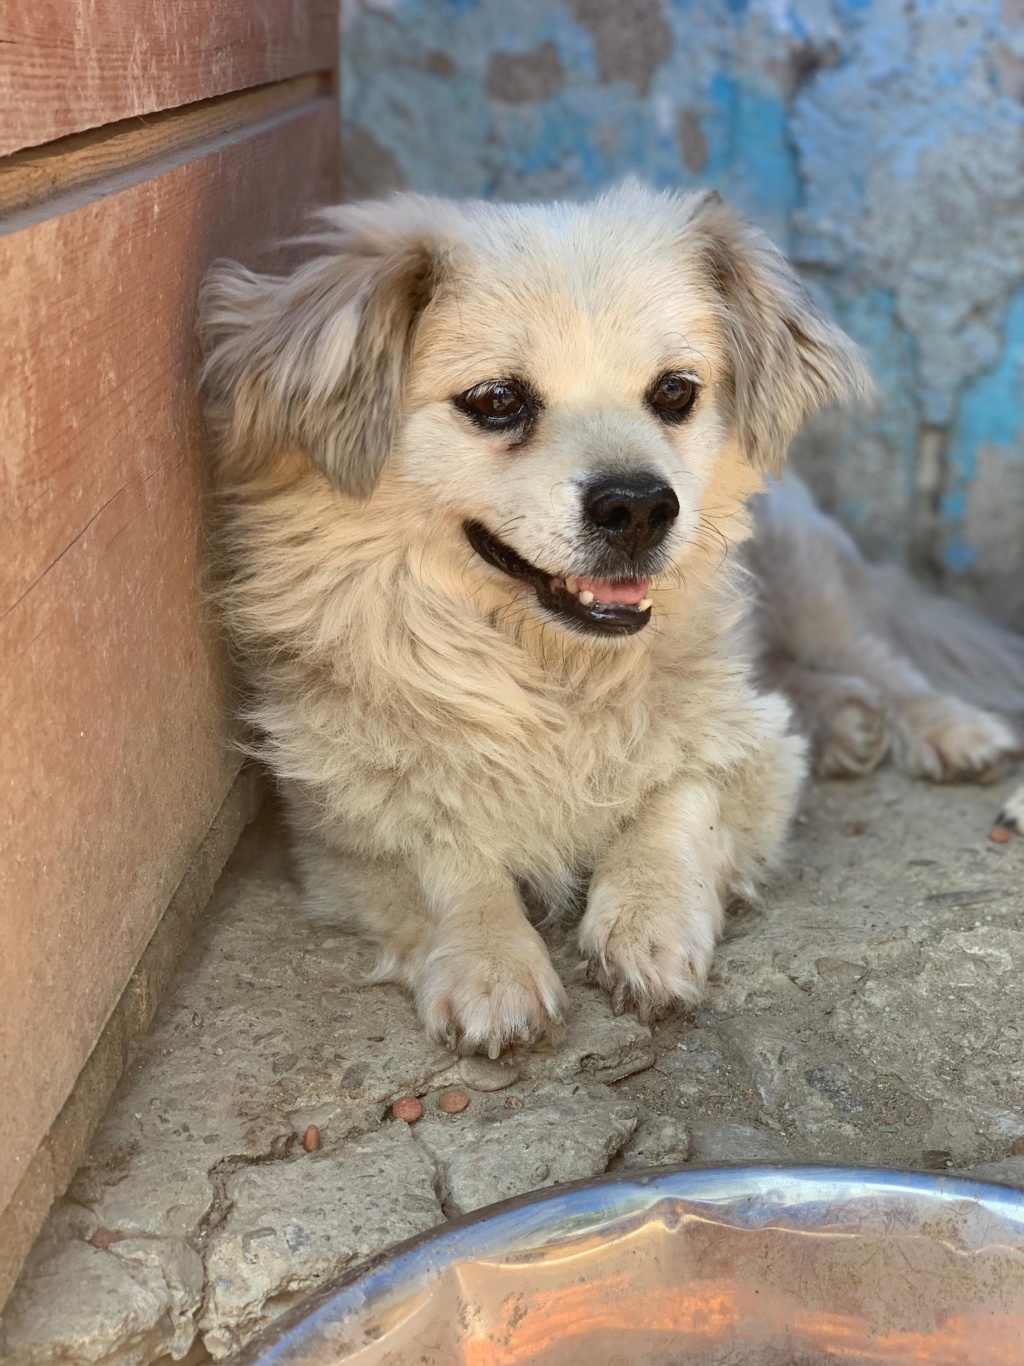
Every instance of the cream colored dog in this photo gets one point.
(483, 468)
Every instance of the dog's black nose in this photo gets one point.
(633, 513)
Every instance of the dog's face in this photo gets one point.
(556, 386)
(563, 402)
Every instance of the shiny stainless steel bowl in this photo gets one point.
(745, 1267)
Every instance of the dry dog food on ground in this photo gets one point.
(105, 1237)
(999, 834)
(311, 1139)
(453, 1102)
(408, 1108)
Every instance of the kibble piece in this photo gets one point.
(311, 1139)
(453, 1102)
(999, 834)
(408, 1108)
(513, 1103)
(105, 1237)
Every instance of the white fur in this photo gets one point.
(1012, 813)
(447, 749)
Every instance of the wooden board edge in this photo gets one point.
(44, 182)
(63, 1148)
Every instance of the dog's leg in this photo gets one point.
(819, 613)
(381, 898)
(844, 717)
(477, 968)
(658, 895)
(1012, 814)
(483, 978)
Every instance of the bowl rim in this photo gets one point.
(261, 1349)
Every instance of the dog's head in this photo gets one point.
(559, 388)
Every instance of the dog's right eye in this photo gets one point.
(497, 405)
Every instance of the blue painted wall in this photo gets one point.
(879, 142)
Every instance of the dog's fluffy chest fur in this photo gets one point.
(412, 716)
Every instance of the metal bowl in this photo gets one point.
(761, 1266)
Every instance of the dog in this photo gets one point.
(485, 477)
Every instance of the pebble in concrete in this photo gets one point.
(486, 1074)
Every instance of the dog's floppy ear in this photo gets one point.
(316, 359)
(787, 359)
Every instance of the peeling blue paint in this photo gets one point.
(990, 413)
(959, 557)
(990, 416)
(751, 158)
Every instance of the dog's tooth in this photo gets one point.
(644, 603)
(571, 584)
(586, 597)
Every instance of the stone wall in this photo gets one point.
(879, 142)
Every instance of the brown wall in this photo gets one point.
(113, 761)
(68, 65)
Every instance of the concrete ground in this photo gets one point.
(872, 1012)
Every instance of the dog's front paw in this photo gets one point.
(944, 739)
(649, 957)
(854, 735)
(1012, 814)
(483, 998)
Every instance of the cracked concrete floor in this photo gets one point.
(872, 1012)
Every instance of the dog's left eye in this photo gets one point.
(497, 406)
(672, 396)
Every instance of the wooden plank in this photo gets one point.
(111, 675)
(68, 65)
(39, 174)
(62, 1150)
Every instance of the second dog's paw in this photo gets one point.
(854, 739)
(944, 739)
(648, 958)
(482, 999)
(1012, 814)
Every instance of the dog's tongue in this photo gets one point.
(618, 592)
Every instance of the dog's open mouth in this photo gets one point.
(607, 607)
